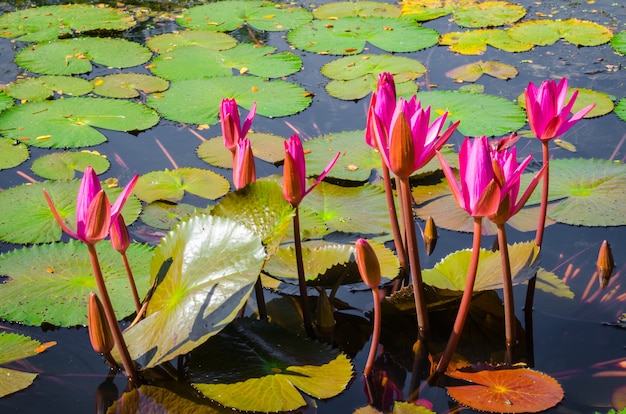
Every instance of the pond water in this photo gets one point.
(571, 341)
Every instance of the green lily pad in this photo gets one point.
(44, 87)
(229, 15)
(473, 71)
(620, 109)
(170, 185)
(320, 258)
(348, 35)
(466, 13)
(261, 207)
(51, 282)
(210, 40)
(27, 218)
(70, 122)
(479, 114)
(475, 42)
(195, 62)
(268, 358)
(74, 56)
(197, 101)
(50, 22)
(360, 8)
(451, 272)
(164, 216)
(546, 32)
(205, 269)
(354, 77)
(63, 165)
(150, 398)
(551, 283)
(604, 102)
(12, 153)
(5, 101)
(127, 85)
(14, 347)
(618, 42)
(589, 192)
(266, 147)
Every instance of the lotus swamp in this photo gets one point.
(185, 334)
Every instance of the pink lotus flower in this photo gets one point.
(411, 141)
(243, 164)
(382, 105)
(94, 213)
(294, 172)
(548, 115)
(232, 130)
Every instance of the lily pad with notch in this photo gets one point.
(44, 87)
(171, 185)
(266, 147)
(475, 42)
(127, 85)
(547, 32)
(64, 165)
(466, 13)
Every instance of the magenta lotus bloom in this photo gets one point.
(382, 105)
(548, 115)
(244, 171)
(411, 141)
(232, 130)
(294, 172)
(479, 193)
(94, 213)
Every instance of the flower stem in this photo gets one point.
(465, 303)
(393, 218)
(304, 298)
(509, 304)
(416, 271)
(128, 363)
(375, 334)
(131, 281)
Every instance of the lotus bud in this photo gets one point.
(98, 218)
(605, 264)
(325, 314)
(368, 264)
(430, 235)
(99, 330)
(120, 239)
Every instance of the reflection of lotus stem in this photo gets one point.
(304, 298)
(131, 280)
(395, 228)
(509, 306)
(375, 333)
(416, 271)
(129, 365)
(464, 306)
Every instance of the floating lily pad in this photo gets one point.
(225, 16)
(360, 8)
(354, 77)
(618, 42)
(150, 398)
(70, 122)
(127, 85)
(74, 56)
(620, 109)
(14, 347)
(5, 101)
(51, 282)
(197, 101)
(590, 192)
(348, 35)
(266, 147)
(473, 71)
(63, 165)
(268, 358)
(479, 114)
(49, 22)
(26, 217)
(171, 185)
(195, 62)
(585, 97)
(205, 270)
(451, 272)
(470, 13)
(12, 153)
(44, 87)
(162, 215)
(475, 42)
(546, 32)
(210, 40)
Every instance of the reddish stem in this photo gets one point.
(509, 303)
(544, 195)
(131, 281)
(375, 334)
(393, 217)
(304, 297)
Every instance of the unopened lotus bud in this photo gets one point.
(368, 264)
(99, 331)
(120, 239)
(430, 235)
(605, 264)
(325, 314)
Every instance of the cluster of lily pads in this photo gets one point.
(195, 293)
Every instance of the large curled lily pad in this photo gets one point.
(210, 40)
(64, 165)
(70, 122)
(171, 185)
(12, 153)
(128, 85)
(587, 192)
(74, 56)
(467, 13)
(197, 101)
(51, 282)
(273, 366)
(49, 22)
(546, 32)
(229, 15)
(26, 217)
(44, 87)
(14, 347)
(475, 42)
(266, 147)
(348, 35)
(205, 269)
